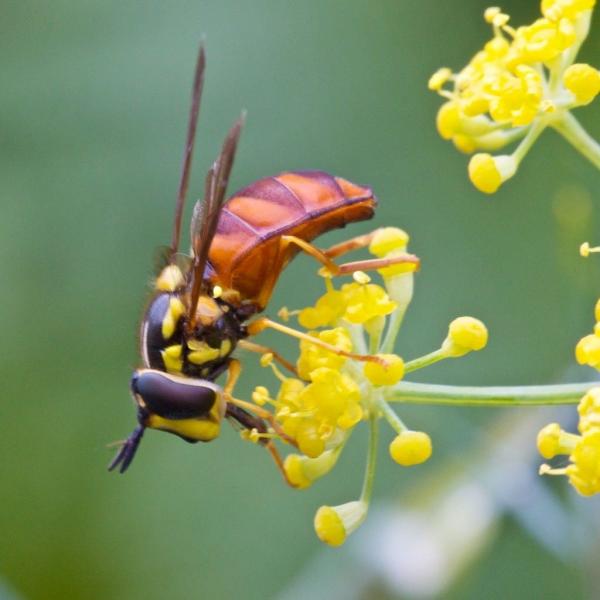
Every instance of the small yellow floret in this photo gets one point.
(583, 81)
(294, 472)
(333, 524)
(597, 310)
(411, 448)
(491, 13)
(448, 120)
(484, 174)
(439, 78)
(266, 359)
(465, 334)
(313, 357)
(260, 395)
(329, 526)
(363, 302)
(571, 9)
(587, 351)
(548, 440)
(584, 249)
(487, 172)
(388, 375)
(589, 410)
(584, 473)
(327, 310)
(388, 239)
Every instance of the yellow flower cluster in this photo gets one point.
(583, 450)
(333, 391)
(356, 303)
(587, 350)
(520, 82)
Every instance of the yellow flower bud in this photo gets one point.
(448, 120)
(464, 143)
(583, 82)
(571, 9)
(488, 173)
(597, 310)
(439, 78)
(333, 524)
(491, 13)
(266, 359)
(465, 334)
(309, 440)
(260, 395)
(294, 472)
(548, 440)
(584, 473)
(388, 239)
(411, 448)
(589, 410)
(302, 471)
(379, 375)
(587, 351)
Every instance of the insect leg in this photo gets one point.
(351, 267)
(249, 421)
(355, 243)
(235, 368)
(264, 323)
(260, 349)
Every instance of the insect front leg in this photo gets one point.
(263, 323)
(260, 349)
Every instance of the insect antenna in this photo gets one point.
(128, 449)
(188, 150)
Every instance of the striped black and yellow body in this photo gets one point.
(165, 343)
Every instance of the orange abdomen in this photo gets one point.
(246, 253)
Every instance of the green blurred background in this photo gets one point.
(94, 99)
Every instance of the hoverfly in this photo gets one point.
(200, 308)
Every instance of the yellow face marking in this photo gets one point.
(203, 430)
(172, 316)
(170, 279)
(201, 352)
(172, 358)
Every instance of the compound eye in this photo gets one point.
(172, 397)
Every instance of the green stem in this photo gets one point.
(390, 416)
(392, 331)
(570, 128)
(526, 395)
(532, 135)
(367, 489)
(425, 360)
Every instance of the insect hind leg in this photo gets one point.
(128, 449)
(324, 257)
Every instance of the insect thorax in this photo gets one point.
(166, 345)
